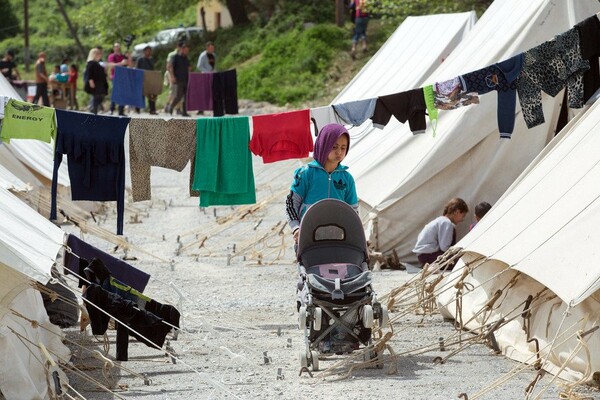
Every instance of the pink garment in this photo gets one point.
(333, 271)
(282, 136)
(199, 91)
(115, 58)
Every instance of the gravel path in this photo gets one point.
(238, 307)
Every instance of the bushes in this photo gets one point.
(291, 67)
(284, 59)
(55, 48)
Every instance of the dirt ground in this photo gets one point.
(239, 335)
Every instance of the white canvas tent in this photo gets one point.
(545, 227)
(16, 168)
(403, 181)
(11, 182)
(36, 155)
(417, 47)
(21, 263)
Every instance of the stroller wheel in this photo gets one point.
(315, 360)
(367, 316)
(317, 319)
(384, 318)
(303, 359)
(302, 317)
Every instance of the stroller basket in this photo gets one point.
(338, 288)
(333, 271)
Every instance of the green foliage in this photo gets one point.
(290, 53)
(395, 11)
(292, 66)
(97, 22)
(9, 23)
(285, 59)
(55, 48)
(111, 20)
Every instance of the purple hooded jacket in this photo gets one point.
(329, 134)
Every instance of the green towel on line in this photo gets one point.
(223, 172)
(28, 121)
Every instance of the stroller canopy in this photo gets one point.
(331, 231)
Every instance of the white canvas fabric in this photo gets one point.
(29, 243)
(550, 318)
(10, 182)
(22, 376)
(37, 155)
(417, 47)
(545, 227)
(403, 181)
(16, 167)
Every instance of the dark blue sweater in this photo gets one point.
(94, 146)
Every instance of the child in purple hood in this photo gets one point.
(323, 178)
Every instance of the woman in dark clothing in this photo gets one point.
(95, 80)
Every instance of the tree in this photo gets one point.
(72, 29)
(115, 19)
(397, 10)
(237, 10)
(9, 23)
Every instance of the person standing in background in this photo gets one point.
(361, 20)
(146, 62)
(118, 58)
(96, 84)
(41, 80)
(179, 70)
(207, 60)
(8, 66)
(171, 83)
(64, 67)
(73, 76)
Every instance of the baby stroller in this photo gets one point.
(336, 303)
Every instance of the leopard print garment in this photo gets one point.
(156, 142)
(550, 67)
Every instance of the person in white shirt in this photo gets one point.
(440, 234)
(207, 60)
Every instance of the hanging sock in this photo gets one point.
(431, 109)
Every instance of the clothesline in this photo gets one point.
(219, 147)
(548, 67)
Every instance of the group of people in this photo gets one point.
(98, 73)
(178, 68)
(62, 73)
(326, 177)
(440, 234)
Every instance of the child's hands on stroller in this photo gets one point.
(295, 234)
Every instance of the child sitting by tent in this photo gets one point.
(322, 178)
(480, 210)
(440, 234)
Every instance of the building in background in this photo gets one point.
(216, 15)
